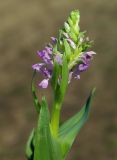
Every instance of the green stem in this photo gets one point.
(55, 117)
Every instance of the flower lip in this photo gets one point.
(83, 67)
(90, 53)
(44, 83)
(45, 55)
(37, 66)
(48, 49)
(54, 40)
(47, 72)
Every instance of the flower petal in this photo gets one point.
(83, 67)
(47, 72)
(89, 54)
(49, 50)
(45, 55)
(44, 83)
(37, 66)
(41, 54)
(54, 40)
(77, 73)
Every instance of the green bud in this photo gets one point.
(75, 16)
(74, 21)
(67, 27)
(68, 51)
(73, 36)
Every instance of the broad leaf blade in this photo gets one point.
(45, 146)
(69, 130)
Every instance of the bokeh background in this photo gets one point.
(25, 27)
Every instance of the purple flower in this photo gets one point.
(77, 73)
(87, 56)
(37, 66)
(85, 59)
(47, 72)
(44, 83)
(45, 55)
(49, 50)
(83, 67)
(46, 67)
(48, 56)
(54, 40)
(90, 53)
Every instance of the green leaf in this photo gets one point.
(61, 88)
(46, 148)
(30, 146)
(55, 75)
(65, 75)
(67, 27)
(35, 99)
(70, 21)
(69, 130)
(67, 49)
(73, 36)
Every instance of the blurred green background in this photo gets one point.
(25, 27)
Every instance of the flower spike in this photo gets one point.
(70, 42)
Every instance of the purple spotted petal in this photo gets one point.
(89, 54)
(47, 72)
(41, 54)
(54, 40)
(44, 83)
(77, 73)
(49, 50)
(83, 59)
(37, 66)
(45, 56)
(83, 67)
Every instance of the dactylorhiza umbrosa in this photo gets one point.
(62, 60)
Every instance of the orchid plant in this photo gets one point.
(62, 60)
